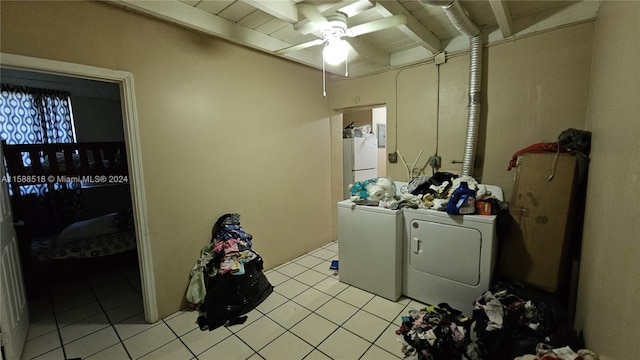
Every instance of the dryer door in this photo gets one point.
(451, 252)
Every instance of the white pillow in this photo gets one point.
(100, 225)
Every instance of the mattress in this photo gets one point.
(49, 248)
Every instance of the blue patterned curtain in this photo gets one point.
(37, 116)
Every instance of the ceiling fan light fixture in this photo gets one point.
(335, 51)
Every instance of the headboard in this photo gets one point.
(101, 162)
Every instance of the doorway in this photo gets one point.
(124, 81)
(370, 123)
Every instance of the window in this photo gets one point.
(35, 116)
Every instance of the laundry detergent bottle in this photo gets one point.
(462, 201)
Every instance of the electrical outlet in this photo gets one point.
(435, 161)
(393, 157)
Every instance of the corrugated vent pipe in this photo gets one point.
(461, 21)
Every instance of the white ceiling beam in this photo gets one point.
(192, 18)
(284, 10)
(412, 28)
(502, 13)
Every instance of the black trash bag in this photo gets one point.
(231, 296)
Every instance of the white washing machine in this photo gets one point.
(449, 258)
(370, 248)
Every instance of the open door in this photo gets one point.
(14, 312)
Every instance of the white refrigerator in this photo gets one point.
(360, 160)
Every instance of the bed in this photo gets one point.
(58, 172)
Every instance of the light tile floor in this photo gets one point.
(310, 315)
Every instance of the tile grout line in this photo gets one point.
(179, 339)
(288, 330)
(104, 312)
(110, 325)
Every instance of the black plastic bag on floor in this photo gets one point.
(230, 296)
(237, 285)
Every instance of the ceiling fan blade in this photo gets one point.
(377, 25)
(302, 46)
(305, 27)
(312, 13)
(313, 19)
(347, 7)
(353, 8)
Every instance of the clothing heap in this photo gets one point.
(434, 332)
(510, 320)
(227, 280)
(434, 192)
(531, 322)
(232, 246)
(546, 352)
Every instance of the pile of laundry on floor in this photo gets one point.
(546, 352)
(227, 280)
(508, 322)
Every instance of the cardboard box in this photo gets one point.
(542, 213)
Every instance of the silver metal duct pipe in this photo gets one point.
(461, 21)
(473, 122)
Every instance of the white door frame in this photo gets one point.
(134, 154)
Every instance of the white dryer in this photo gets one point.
(449, 258)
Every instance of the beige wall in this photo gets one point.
(246, 148)
(359, 118)
(379, 117)
(550, 95)
(216, 136)
(609, 290)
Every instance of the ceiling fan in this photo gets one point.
(333, 28)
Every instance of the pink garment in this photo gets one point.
(228, 246)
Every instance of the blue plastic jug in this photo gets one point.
(462, 201)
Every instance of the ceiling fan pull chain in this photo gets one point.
(346, 66)
(324, 86)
